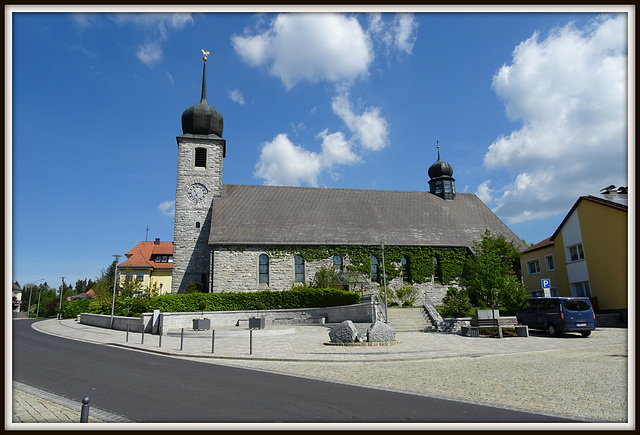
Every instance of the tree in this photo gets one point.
(489, 276)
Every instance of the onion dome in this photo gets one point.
(201, 118)
(441, 181)
(440, 168)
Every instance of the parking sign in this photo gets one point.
(546, 283)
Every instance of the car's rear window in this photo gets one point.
(576, 305)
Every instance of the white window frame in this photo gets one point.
(582, 285)
(535, 261)
(579, 250)
(546, 262)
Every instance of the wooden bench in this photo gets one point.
(500, 322)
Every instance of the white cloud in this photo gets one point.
(156, 27)
(167, 208)
(336, 150)
(484, 193)
(400, 35)
(570, 93)
(309, 47)
(149, 53)
(369, 127)
(283, 163)
(236, 96)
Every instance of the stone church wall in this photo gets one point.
(235, 269)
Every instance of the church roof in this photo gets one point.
(271, 215)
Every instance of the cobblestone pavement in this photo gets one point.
(589, 384)
(569, 376)
(32, 405)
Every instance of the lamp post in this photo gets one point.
(30, 292)
(38, 309)
(384, 277)
(61, 293)
(115, 280)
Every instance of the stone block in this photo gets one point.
(345, 332)
(381, 331)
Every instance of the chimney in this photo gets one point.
(157, 242)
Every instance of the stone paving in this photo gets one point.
(571, 376)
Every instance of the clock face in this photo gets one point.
(197, 192)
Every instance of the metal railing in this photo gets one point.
(432, 312)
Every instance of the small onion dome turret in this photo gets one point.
(441, 181)
(440, 168)
(201, 118)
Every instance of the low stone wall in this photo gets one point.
(359, 313)
(119, 322)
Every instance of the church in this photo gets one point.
(236, 238)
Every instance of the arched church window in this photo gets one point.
(405, 269)
(201, 158)
(374, 269)
(337, 263)
(299, 269)
(197, 224)
(263, 269)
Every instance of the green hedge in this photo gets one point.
(177, 303)
(264, 300)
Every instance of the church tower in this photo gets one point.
(199, 180)
(441, 181)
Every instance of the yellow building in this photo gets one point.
(586, 256)
(151, 263)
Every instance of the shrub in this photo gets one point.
(71, 309)
(456, 304)
(406, 295)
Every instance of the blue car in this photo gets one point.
(558, 315)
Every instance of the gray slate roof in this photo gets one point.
(272, 215)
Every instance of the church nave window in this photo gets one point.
(263, 269)
(299, 269)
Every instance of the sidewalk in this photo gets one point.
(308, 343)
(436, 364)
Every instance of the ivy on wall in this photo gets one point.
(420, 260)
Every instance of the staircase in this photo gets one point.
(408, 319)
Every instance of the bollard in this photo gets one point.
(127, 333)
(159, 340)
(142, 342)
(84, 413)
(181, 338)
(213, 339)
(250, 341)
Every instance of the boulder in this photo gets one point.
(345, 332)
(381, 331)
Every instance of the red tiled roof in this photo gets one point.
(143, 254)
(546, 242)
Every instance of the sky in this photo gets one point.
(530, 109)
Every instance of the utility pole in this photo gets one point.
(61, 293)
(115, 280)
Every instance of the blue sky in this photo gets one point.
(530, 109)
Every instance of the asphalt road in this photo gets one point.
(154, 389)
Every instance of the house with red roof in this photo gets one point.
(151, 263)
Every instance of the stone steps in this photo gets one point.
(408, 319)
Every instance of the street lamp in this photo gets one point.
(61, 293)
(38, 310)
(115, 280)
(31, 292)
(384, 276)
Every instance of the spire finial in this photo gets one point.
(203, 98)
(438, 146)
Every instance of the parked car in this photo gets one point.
(558, 315)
